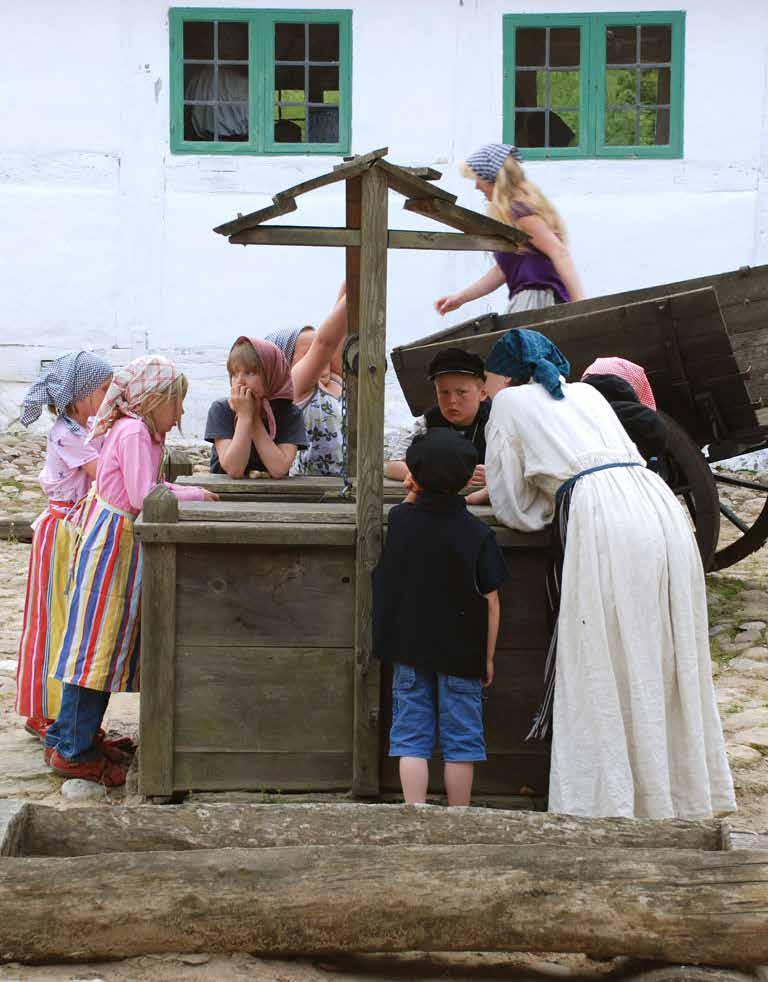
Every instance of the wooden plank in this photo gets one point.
(342, 172)
(158, 636)
(370, 472)
(677, 905)
(427, 173)
(251, 534)
(354, 199)
(302, 699)
(732, 838)
(17, 527)
(404, 239)
(293, 235)
(120, 829)
(317, 489)
(410, 184)
(306, 513)
(275, 771)
(464, 220)
(256, 217)
(280, 596)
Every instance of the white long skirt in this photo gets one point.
(635, 725)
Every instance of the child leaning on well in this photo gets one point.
(100, 650)
(72, 387)
(258, 428)
(436, 617)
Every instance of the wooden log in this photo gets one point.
(158, 639)
(293, 235)
(680, 905)
(17, 527)
(87, 831)
(405, 239)
(464, 219)
(370, 473)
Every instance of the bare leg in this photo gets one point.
(458, 781)
(414, 774)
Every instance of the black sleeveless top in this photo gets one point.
(474, 432)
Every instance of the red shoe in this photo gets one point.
(112, 749)
(101, 770)
(120, 743)
(37, 726)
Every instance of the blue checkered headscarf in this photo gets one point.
(286, 340)
(66, 380)
(489, 159)
(523, 355)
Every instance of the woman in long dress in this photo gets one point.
(635, 728)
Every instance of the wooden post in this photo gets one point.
(158, 643)
(354, 204)
(370, 476)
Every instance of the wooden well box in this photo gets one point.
(248, 669)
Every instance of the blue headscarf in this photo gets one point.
(522, 355)
(286, 339)
(66, 380)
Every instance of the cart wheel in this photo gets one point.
(754, 530)
(689, 475)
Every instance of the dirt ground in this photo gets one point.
(738, 608)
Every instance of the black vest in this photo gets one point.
(474, 432)
(427, 611)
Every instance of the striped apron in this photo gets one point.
(45, 610)
(100, 646)
(543, 720)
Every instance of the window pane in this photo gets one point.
(324, 125)
(324, 85)
(620, 45)
(620, 128)
(233, 41)
(564, 89)
(529, 88)
(654, 86)
(564, 46)
(289, 124)
(232, 122)
(530, 46)
(654, 127)
(324, 42)
(529, 129)
(656, 43)
(198, 39)
(199, 83)
(198, 123)
(233, 83)
(620, 87)
(289, 84)
(563, 129)
(289, 43)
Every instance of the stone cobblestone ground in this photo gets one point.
(738, 608)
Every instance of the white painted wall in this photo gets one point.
(107, 240)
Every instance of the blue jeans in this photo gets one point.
(422, 702)
(74, 732)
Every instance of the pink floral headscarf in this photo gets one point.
(278, 383)
(630, 372)
(129, 388)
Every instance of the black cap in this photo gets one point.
(456, 360)
(442, 460)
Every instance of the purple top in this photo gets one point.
(530, 270)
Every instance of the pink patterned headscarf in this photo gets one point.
(278, 382)
(130, 387)
(630, 372)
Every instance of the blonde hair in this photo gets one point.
(174, 391)
(244, 355)
(512, 187)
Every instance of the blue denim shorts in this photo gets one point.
(422, 702)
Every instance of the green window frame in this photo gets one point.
(604, 97)
(261, 66)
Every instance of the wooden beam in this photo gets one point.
(158, 638)
(678, 905)
(293, 235)
(411, 185)
(342, 172)
(353, 210)
(256, 217)
(406, 239)
(370, 476)
(464, 220)
(237, 533)
(426, 173)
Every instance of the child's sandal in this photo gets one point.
(112, 750)
(101, 770)
(123, 743)
(38, 726)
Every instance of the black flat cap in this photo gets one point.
(442, 460)
(456, 360)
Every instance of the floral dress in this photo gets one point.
(323, 421)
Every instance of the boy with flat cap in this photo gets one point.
(436, 617)
(459, 379)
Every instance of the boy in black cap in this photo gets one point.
(459, 379)
(436, 617)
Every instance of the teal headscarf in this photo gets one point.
(522, 355)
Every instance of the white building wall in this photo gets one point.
(107, 238)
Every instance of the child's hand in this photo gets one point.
(409, 483)
(444, 305)
(478, 477)
(480, 497)
(488, 673)
(209, 495)
(242, 402)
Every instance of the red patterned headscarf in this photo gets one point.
(129, 388)
(278, 383)
(630, 372)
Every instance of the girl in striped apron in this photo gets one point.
(72, 387)
(629, 697)
(99, 652)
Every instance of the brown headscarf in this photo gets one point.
(278, 383)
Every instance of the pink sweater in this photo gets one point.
(128, 465)
(63, 478)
